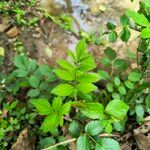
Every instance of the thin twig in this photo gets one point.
(109, 135)
(61, 143)
(74, 139)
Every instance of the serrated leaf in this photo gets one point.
(33, 93)
(103, 74)
(20, 73)
(83, 143)
(93, 110)
(94, 128)
(21, 62)
(129, 84)
(46, 142)
(117, 108)
(145, 33)
(109, 87)
(45, 70)
(65, 64)
(117, 81)
(80, 49)
(108, 128)
(124, 20)
(125, 34)
(110, 53)
(32, 65)
(134, 76)
(74, 129)
(88, 77)
(64, 110)
(33, 81)
(115, 95)
(111, 26)
(64, 74)
(120, 64)
(87, 64)
(72, 55)
(122, 90)
(105, 61)
(42, 105)
(50, 123)
(86, 87)
(107, 144)
(63, 90)
(112, 36)
(138, 18)
(139, 111)
(56, 104)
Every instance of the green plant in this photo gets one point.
(29, 74)
(78, 85)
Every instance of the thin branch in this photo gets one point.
(109, 135)
(61, 143)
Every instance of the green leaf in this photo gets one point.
(93, 110)
(65, 64)
(83, 143)
(32, 65)
(74, 129)
(125, 34)
(86, 87)
(139, 111)
(109, 87)
(46, 70)
(107, 144)
(57, 103)
(110, 26)
(50, 123)
(42, 106)
(135, 76)
(129, 84)
(80, 49)
(64, 74)
(117, 108)
(147, 101)
(117, 81)
(105, 61)
(120, 64)
(116, 95)
(72, 55)
(122, 90)
(110, 53)
(138, 18)
(20, 73)
(46, 142)
(63, 90)
(88, 77)
(33, 81)
(145, 33)
(64, 110)
(33, 93)
(94, 128)
(108, 128)
(124, 20)
(21, 62)
(87, 64)
(112, 36)
(103, 74)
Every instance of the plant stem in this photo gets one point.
(61, 143)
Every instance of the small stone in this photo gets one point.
(13, 32)
(36, 35)
(3, 28)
